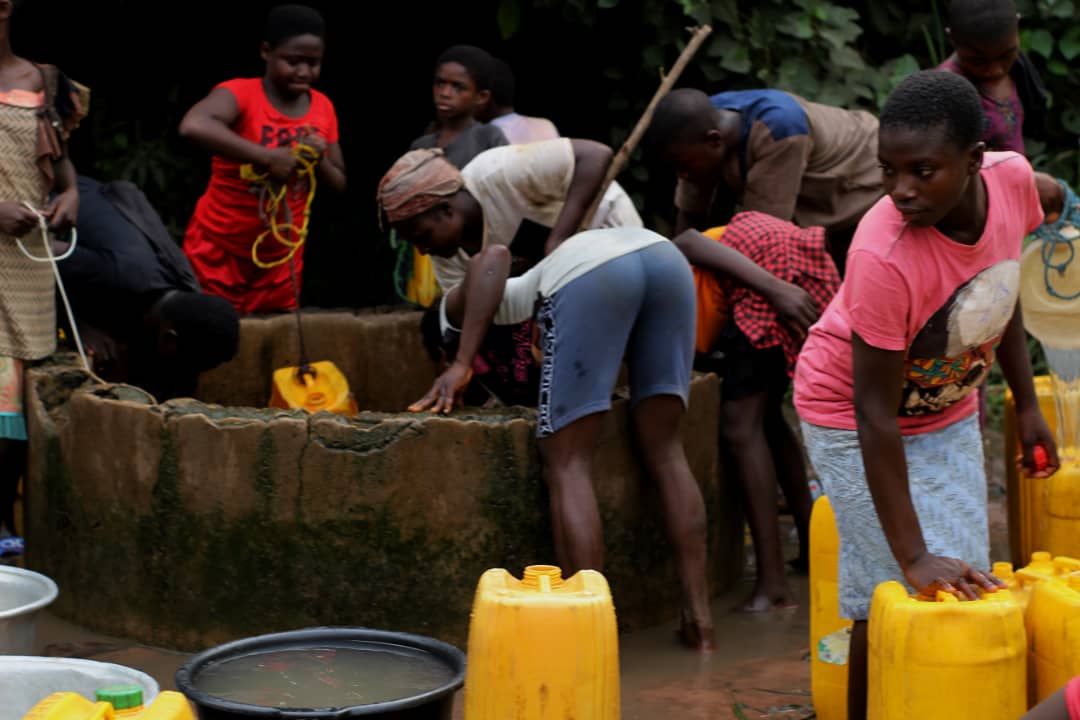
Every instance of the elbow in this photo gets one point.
(495, 255)
(870, 415)
(188, 128)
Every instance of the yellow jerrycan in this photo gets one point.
(828, 669)
(1020, 582)
(928, 655)
(542, 648)
(1025, 494)
(1060, 528)
(1053, 627)
(326, 390)
(168, 705)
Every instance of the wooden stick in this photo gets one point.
(618, 162)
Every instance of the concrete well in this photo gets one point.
(189, 523)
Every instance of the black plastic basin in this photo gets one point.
(432, 705)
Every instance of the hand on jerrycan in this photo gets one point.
(930, 574)
(1038, 450)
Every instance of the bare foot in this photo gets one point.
(766, 602)
(695, 636)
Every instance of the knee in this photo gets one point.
(738, 431)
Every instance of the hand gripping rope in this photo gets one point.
(43, 227)
(272, 204)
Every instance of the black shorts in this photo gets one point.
(745, 369)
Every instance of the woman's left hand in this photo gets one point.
(445, 394)
(62, 212)
(1034, 432)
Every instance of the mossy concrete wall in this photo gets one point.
(186, 524)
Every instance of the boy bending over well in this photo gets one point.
(885, 385)
(598, 297)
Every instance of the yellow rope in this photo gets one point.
(271, 200)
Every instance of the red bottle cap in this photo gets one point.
(1038, 456)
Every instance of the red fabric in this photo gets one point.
(1072, 698)
(248, 287)
(228, 211)
(793, 254)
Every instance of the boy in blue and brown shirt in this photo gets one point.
(772, 152)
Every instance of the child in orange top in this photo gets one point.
(256, 124)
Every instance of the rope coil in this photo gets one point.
(1052, 237)
(272, 204)
(49, 257)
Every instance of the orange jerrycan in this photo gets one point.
(1025, 494)
(927, 655)
(542, 648)
(326, 390)
(1053, 627)
(828, 668)
(168, 705)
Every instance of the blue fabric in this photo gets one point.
(12, 426)
(780, 112)
(640, 307)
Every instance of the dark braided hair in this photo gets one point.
(930, 98)
(285, 22)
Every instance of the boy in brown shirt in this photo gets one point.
(769, 151)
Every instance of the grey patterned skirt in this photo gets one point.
(948, 488)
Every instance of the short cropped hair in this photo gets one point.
(285, 22)
(930, 98)
(478, 63)
(207, 328)
(682, 115)
(988, 19)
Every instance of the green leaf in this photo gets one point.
(1062, 9)
(846, 58)
(508, 18)
(797, 76)
(604, 4)
(725, 12)
(738, 61)
(840, 16)
(1069, 44)
(1042, 42)
(902, 67)
(839, 37)
(1058, 67)
(797, 25)
(1070, 120)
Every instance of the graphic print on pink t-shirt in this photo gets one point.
(952, 354)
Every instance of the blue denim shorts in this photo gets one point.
(640, 308)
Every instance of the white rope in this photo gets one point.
(50, 258)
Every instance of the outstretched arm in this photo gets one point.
(209, 123)
(1015, 364)
(473, 305)
(793, 304)
(591, 160)
(878, 384)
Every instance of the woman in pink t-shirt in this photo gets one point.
(886, 383)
